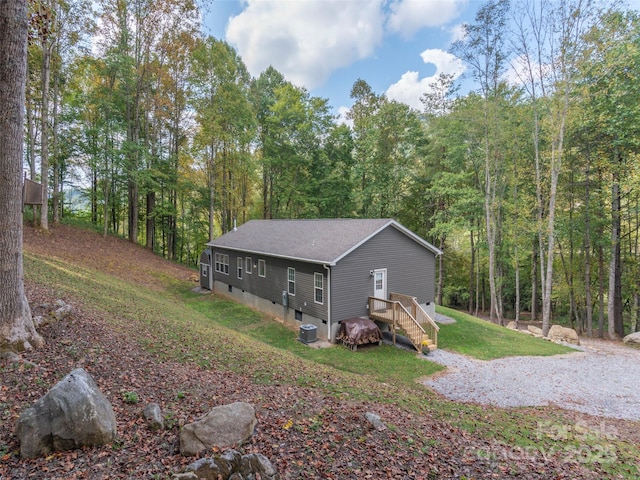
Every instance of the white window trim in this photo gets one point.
(264, 268)
(316, 288)
(248, 265)
(239, 263)
(290, 282)
(222, 263)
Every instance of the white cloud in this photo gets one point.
(411, 87)
(343, 113)
(409, 16)
(458, 32)
(523, 71)
(305, 40)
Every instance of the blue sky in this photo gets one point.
(396, 46)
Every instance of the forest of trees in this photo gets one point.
(529, 182)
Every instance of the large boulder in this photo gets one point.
(535, 331)
(73, 414)
(223, 426)
(559, 333)
(632, 338)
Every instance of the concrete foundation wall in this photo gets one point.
(288, 315)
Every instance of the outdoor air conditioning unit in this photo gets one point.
(308, 333)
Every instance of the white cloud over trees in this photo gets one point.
(309, 40)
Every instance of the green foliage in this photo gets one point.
(130, 397)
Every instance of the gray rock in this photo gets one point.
(73, 414)
(537, 332)
(63, 311)
(153, 415)
(374, 420)
(205, 469)
(256, 463)
(223, 426)
(233, 466)
(559, 333)
(632, 338)
(10, 357)
(184, 476)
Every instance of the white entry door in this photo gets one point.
(380, 283)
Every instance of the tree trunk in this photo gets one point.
(600, 291)
(472, 273)
(534, 282)
(517, 305)
(587, 255)
(211, 172)
(614, 314)
(57, 197)
(151, 220)
(17, 331)
(44, 135)
(440, 273)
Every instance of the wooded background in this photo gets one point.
(529, 182)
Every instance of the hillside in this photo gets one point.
(131, 332)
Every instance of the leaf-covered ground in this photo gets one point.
(305, 432)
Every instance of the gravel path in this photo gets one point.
(600, 380)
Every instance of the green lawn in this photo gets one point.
(486, 341)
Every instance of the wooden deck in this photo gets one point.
(404, 313)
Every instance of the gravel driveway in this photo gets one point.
(600, 380)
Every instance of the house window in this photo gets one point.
(222, 263)
(379, 281)
(248, 265)
(291, 276)
(262, 268)
(318, 282)
(239, 262)
(205, 271)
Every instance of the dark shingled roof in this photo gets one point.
(318, 241)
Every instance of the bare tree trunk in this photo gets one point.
(472, 272)
(44, 135)
(517, 305)
(17, 331)
(57, 167)
(587, 254)
(440, 273)
(151, 220)
(614, 261)
(600, 292)
(534, 282)
(211, 172)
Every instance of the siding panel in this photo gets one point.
(275, 282)
(410, 270)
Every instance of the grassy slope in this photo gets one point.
(201, 334)
(486, 341)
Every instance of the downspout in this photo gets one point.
(328, 301)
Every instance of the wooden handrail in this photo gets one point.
(398, 316)
(422, 317)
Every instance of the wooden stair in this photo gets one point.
(403, 312)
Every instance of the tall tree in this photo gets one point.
(484, 49)
(548, 42)
(263, 97)
(609, 67)
(17, 330)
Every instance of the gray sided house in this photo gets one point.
(321, 271)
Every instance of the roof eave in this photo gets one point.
(330, 263)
